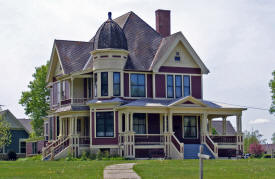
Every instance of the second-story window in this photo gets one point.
(137, 85)
(178, 84)
(170, 86)
(89, 87)
(186, 82)
(116, 83)
(58, 93)
(95, 84)
(104, 83)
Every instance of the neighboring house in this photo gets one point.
(20, 130)
(136, 92)
(269, 149)
(34, 147)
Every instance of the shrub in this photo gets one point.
(256, 150)
(92, 156)
(106, 154)
(99, 155)
(267, 156)
(69, 156)
(12, 155)
(84, 156)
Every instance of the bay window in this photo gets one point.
(137, 85)
(116, 83)
(104, 124)
(104, 83)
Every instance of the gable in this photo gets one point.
(11, 120)
(186, 59)
(188, 101)
(55, 68)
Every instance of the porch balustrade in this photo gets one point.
(84, 141)
(224, 139)
(67, 102)
(149, 139)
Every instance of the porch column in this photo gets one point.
(204, 124)
(170, 120)
(60, 128)
(161, 123)
(224, 125)
(126, 121)
(119, 122)
(75, 125)
(131, 122)
(165, 122)
(239, 124)
(210, 126)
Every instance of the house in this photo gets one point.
(269, 149)
(134, 91)
(20, 130)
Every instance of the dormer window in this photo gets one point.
(177, 56)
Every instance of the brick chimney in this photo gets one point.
(163, 22)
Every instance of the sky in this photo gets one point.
(235, 40)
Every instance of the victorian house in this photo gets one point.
(137, 92)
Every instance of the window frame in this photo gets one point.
(188, 86)
(117, 84)
(137, 85)
(168, 86)
(176, 86)
(105, 127)
(104, 85)
(20, 145)
(196, 127)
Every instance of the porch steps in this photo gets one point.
(191, 151)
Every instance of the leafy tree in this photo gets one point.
(256, 149)
(35, 100)
(5, 135)
(252, 137)
(272, 86)
(273, 138)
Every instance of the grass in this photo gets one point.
(153, 169)
(237, 169)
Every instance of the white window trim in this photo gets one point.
(130, 91)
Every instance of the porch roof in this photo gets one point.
(73, 108)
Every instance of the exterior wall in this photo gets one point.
(187, 70)
(78, 88)
(149, 86)
(185, 61)
(15, 136)
(104, 140)
(39, 145)
(160, 87)
(126, 84)
(196, 86)
(153, 124)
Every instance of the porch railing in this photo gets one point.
(224, 139)
(84, 141)
(177, 144)
(211, 144)
(66, 102)
(149, 139)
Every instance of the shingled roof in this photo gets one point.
(142, 40)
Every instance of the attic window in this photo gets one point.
(177, 56)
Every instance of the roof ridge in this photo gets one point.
(71, 41)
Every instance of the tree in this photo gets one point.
(256, 149)
(5, 135)
(273, 138)
(35, 100)
(252, 137)
(272, 86)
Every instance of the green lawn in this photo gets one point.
(233, 169)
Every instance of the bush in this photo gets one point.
(106, 154)
(84, 156)
(12, 155)
(99, 155)
(267, 156)
(92, 156)
(69, 156)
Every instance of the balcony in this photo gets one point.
(70, 101)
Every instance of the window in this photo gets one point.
(178, 83)
(139, 121)
(57, 126)
(104, 124)
(63, 92)
(190, 127)
(116, 83)
(89, 88)
(95, 81)
(186, 86)
(104, 83)
(137, 85)
(78, 125)
(34, 148)
(170, 86)
(22, 147)
(177, 56)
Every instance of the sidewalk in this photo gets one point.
(120, 171)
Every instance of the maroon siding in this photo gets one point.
(85, 87)
(54, 92)
(126, 84)
(149, 86)
(180, 70)
(149, 153)
(160, 86)
(153, 124)
(227, 153)
(196, 86)
(104, 141)
(28, 148)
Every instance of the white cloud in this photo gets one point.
(260, 121)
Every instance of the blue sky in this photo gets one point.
(235, 39)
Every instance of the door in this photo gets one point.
(177, 127)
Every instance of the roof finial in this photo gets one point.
(110, 15)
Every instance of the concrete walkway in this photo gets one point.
(120, 171)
